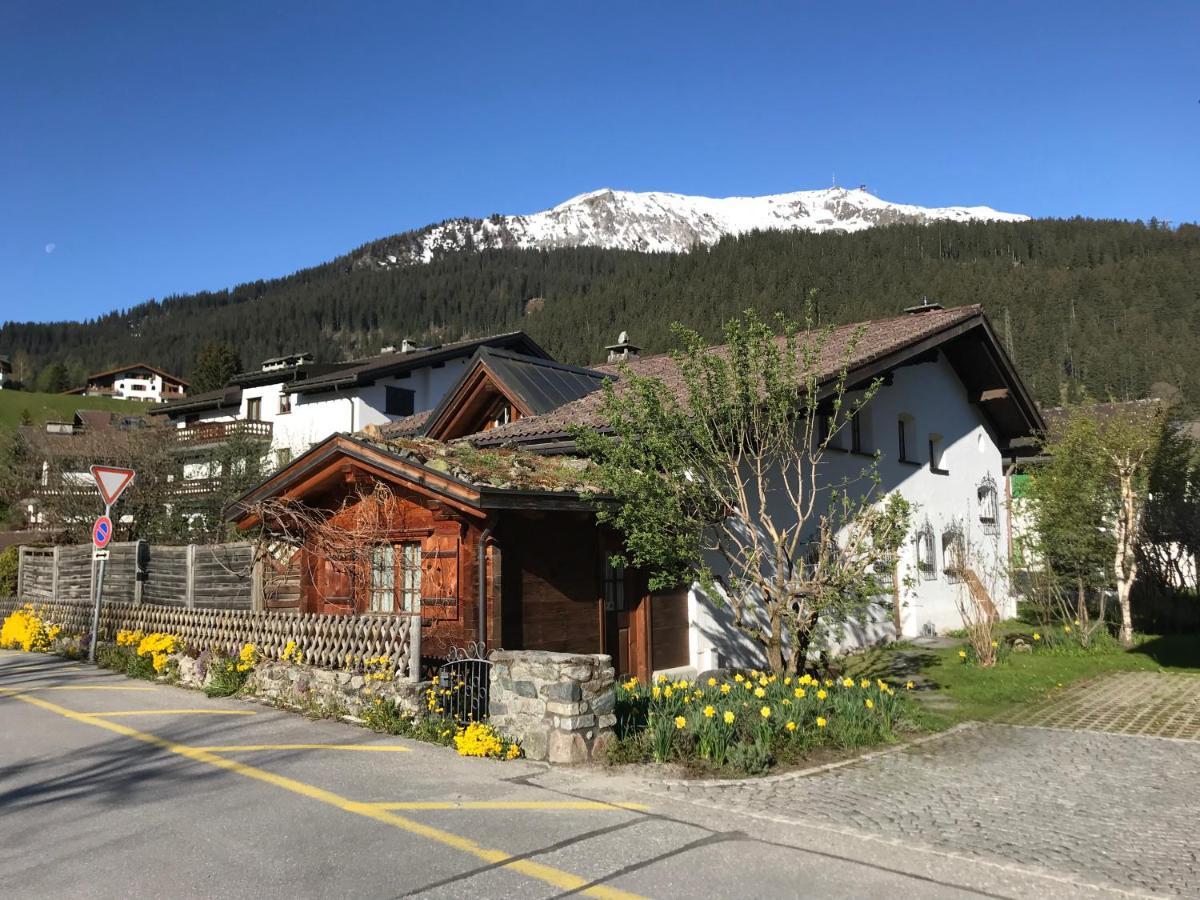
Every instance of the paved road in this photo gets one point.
(112, 788)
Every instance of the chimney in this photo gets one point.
(622, 350)
(924, 307)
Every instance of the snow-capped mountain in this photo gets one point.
(657, 222)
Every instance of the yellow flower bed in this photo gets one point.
(157, 645)
(478, 739)
(26, 630)
(247, 658)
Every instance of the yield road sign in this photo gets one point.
(102, 532)
(111, 482)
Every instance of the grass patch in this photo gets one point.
(1020, 678)
(57, 407)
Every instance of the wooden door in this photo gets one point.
(335, 589)
(625, 621)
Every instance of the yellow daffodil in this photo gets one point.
(738, 678)
(709, 712)
(962, 654)
(908, 685)
(821, 723)
(759, 693)
(995, 644)
(725, 689)
(798, 692)
(712, 682)
(765, 712)
(680, 721)
(822, 694)
(1066, 629)
(865, 683)
(1036, 636)
(729, 717)
(847, 682)
(790, 726)
(870, 703)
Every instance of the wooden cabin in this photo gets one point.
(497, 547)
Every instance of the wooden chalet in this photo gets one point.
(497, 547)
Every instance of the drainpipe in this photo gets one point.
(483, 539)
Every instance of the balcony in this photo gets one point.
(206, 434)
(194, 487)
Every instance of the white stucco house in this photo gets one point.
(138, 381)
(292, 403)
(948, 421)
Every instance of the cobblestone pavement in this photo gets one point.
(1102, 809)
(1145, 703)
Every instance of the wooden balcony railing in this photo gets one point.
(215, 432)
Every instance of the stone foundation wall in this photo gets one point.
(301, 685)
(560, 706)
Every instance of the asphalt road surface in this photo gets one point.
(117, 788)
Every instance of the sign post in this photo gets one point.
(111, 483)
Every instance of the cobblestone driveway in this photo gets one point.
(1096, 808)
(1148, 703)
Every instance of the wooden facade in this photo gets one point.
(547, 582)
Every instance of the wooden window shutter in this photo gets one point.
(439, 576)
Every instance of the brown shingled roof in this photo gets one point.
(877, 339)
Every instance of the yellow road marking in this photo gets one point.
(557, 878)
(365, 748)
(175, 712)
(511, 804)
(79, 687)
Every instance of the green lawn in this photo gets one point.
(56, 407)
(1020, 678)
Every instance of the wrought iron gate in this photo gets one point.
(463, 682)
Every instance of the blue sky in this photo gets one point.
(161, 148)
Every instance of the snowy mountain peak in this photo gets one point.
(664, 223)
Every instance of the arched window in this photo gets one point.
(953, 554)
(925, 552)
(989, 505)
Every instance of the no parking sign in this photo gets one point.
(102, 532)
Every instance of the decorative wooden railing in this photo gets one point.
(215, 432)
(327, 641)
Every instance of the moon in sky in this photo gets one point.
(51, 247)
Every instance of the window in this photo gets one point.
(856, 439)
(383, 579)
(614, 586)
(827, 433)
(283, 456)
(937, 460)
(410, 559)
(399, 401)
(904, 427)
(502, 414)
(285, 404)
(925, 553)
(254, 409)
(989, 505)
(953, 552)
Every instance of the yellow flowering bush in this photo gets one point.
(479, 739)
(292, 653)
(713, 723)
(158, 646)
(26, 630)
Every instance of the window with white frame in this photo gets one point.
(383, 577)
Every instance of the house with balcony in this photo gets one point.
(292, 402)
(134, 382)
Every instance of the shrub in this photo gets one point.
(227, 675)
(25, 630)
(479, 739)
(10, 561)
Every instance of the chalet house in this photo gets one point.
(135, 382)
(489, 532)
(292, 403)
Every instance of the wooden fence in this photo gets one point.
(325, 640)
(196, 576)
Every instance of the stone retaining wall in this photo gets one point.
(560, 706)
(308, 686)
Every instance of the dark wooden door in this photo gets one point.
(625, 622)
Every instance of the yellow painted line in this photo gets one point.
(174, 712)
(512, 804)
(82, 687)
(365, 748)
(564, 881)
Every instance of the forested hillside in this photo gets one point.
(1108, 306)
